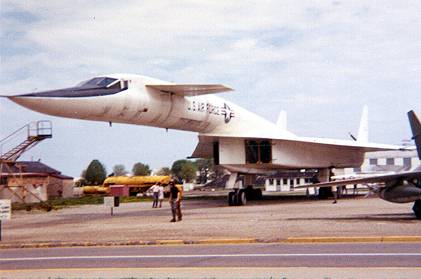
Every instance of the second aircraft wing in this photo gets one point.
(372, 179)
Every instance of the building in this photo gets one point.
(28, 182)
(286, 180)
(387, 161)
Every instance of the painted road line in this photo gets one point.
(295, 240)
(398, 268)
(97, 257)
(352, 239)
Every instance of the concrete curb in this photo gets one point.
(290, 240)
(169, 242)
(352, 239)
(228, 241)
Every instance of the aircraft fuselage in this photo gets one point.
(140, 100)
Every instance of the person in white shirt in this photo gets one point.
(155, 192)
(161, 195)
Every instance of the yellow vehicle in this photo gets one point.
(137, 184)
(90, 190)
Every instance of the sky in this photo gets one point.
(321, 61)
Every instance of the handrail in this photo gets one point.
(14, 133)
(38, 129)
(42, 128)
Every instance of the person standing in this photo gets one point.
(175, 202)
(161, 195)
(155, 193)
(335, 194)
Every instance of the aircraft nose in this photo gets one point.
(63, 102)
(65, 92)
(30, 100)
(72, 92)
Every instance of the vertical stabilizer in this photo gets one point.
(416, 130)
(363, 129)
(281, 123)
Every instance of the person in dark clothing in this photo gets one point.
(175, 202)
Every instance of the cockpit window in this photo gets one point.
(97, 82)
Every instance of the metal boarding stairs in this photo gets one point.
(29, 136)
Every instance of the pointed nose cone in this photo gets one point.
(74, 102)
(59, 102)
(36, 104)
(40, 104)
(25, 101)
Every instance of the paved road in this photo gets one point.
(258, 255)
(219, 261)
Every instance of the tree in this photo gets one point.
(95, 173)
(184, 169)
(119, 170)
(176, 167)
(188, 171)
(83, 174)
(141, 169)
(164, 171)
(206, 168)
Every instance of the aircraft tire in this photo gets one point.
(241, 197)
(231, 198)
(417, 209)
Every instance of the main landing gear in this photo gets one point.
(237, 197)
(240, 196)
(417, 209)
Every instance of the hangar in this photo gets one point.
(29, 181)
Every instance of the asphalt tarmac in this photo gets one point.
(268, 220)
(209, 220)
(221, 261)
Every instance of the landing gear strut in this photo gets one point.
(417, 209)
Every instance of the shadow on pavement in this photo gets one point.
(391, 217)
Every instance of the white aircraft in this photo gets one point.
(238, 140)
(400, 187)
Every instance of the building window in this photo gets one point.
(285, 181)
(291, 182)
(390, 161)
(373, 162)
(407, 163)
(271, 181)
(357, 169)
(258, 152)
(298, 181)
(278, 182)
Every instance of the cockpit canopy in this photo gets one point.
(103, 82)
(97, 82)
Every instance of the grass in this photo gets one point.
(58, 203)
